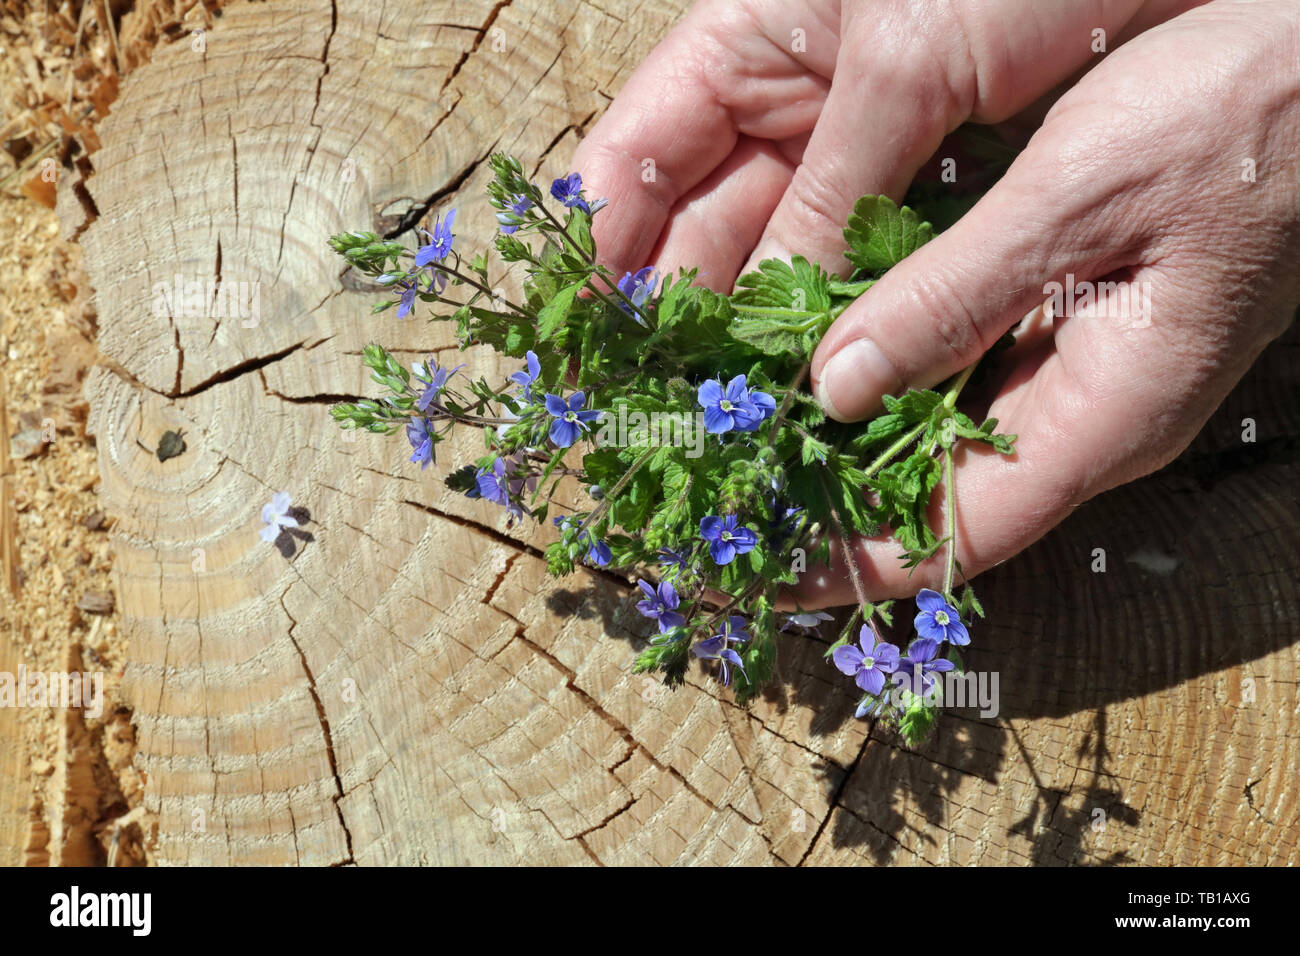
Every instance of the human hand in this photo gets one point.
(1139, 175)
(767, 119)
(751, 141)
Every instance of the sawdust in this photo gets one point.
(81, 800)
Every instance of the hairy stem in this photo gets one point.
(951, 493)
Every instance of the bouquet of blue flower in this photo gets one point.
(710, 473)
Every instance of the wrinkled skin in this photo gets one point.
(1134, 173)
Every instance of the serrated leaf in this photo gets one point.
(914, 406)
(797, 286)
(553, 315)
(881, 235)
(777, 337)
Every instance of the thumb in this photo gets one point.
(941, 308)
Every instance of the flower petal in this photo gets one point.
(928, 600)
(555, 405)
(723, 552)
(871, 680)
(957, 633)
(744, 540)
(668, 595)
(716, 421)
(847, 658)
(927, 627)
(669, 620)
(563, 433)
(922, 650)
(886, 657)
(764, 402)
(734, 658)
(709, 648)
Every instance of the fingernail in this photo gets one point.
(853, 381)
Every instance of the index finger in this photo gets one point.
(667, 115)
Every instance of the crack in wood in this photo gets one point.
(325, 730)
(482, 32)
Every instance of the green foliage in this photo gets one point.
(795, 481)
(881, 235)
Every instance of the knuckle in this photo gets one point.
(935, 296)
(815, 204)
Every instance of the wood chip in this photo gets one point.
(96, 602)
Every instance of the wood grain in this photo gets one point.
(406, 685)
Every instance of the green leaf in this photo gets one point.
(779, 338)
(553, 315)
(914, 406)
(881, 235)
(797, 288)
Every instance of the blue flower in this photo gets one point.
(509, 217)
(938, 620)
(673, 562)
(660, 604)
(570, 420)
(492, 483)
(726, 540)
(421, 439)
(717, 648)
(527, 377)
(735, 407)
(785, 519)
(568, 191)
(869, 665)
(760, 406)
(598, 552)
(437, 382)
(408, 300)
(440, 241)
(919, 665)
(637, 287)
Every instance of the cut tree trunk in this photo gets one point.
(404, 684)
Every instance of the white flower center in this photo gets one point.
(941, 618)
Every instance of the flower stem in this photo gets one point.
(950, 490)
(846, 546)
(595, 269)
(518, 309)
(601, 508)
(949, 399)
(786, 402)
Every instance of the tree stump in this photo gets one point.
(402, 683)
